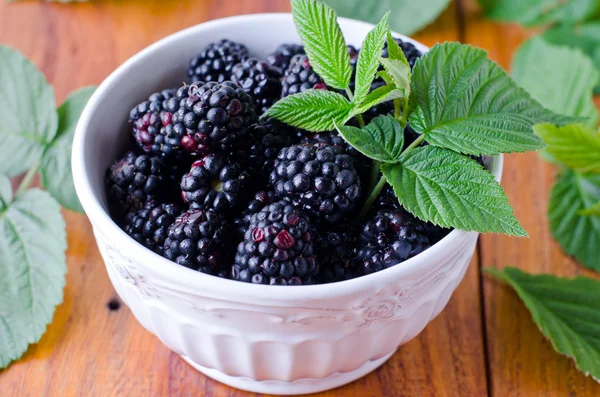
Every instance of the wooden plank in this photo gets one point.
(521, 361)
(90, 350)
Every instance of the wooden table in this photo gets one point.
(483, 343)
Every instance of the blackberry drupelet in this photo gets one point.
(283, 54)
(149, 225)
(410, 51)
(215, 183)
(213, 115)
(335, 253)
(387, 239)
(260, 200)
(196, 240)
(299, 77)
(277, 248)
(133, 180)
(260, 80)
(216, 61)
(321, 180)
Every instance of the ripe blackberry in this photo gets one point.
(196, 240)
(277, 248)
(283, 54)
(299, 77)
(133, 180)
(335, 253)
(216, 61)
(261, 200)
(213, 116)
(149, 225)
(386, 240)
(150, 119)
(260, 80)
(322, 180)
(215, 183)
(410, 51)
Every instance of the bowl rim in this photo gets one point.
(207, 284)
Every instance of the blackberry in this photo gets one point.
(322, 180)
(196, 240)
(150, 119)
(215, 183)
(335, 254)
(299, 77)
(213, 116)
(410, 51)
(133, 180)
(149, 225)
(283, 54)
(388, 239)
(277, 248)
(216, 61)
(260, 80)
(261, 200)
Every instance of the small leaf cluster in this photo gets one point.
(459, 102)
(35, 137)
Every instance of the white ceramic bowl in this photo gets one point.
(267, 339)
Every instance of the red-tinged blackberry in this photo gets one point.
(215, 183)
(149, 225)
(283, 54)
(213, 115)
(299, 77)
(196, 240)
(335, 253)
(410, 51)
(277, 248)
(133, 180)
(260, 80)
(260, 200)
(322, 180)
(386, 240)
(216, 61)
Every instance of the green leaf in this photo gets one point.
(6, 194)
(400, 73)
(394, 50)
(55, 166)
(594, 210)
(312, 110)
(576, 234)
(408, 16)
(368, 59)
(27, 116)
(382, 94)
(538, 12)
(465, 102)
(451, 190)
(574, 145)
(32, 270)
(382, 139)
(323, 41)
(567, 312)
(562, 79)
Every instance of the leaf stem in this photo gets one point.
(375, 165)
(349, 93)
(361, 121)
(416, 143)
(404, 119)
(397, 114)
(372, 197)
(28, 179)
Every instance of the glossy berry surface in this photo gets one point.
(282, 56)
(149, 225)
(216, 61)
(260, 80)
(299, 77)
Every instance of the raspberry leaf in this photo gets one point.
(6, 194)
(379, 95)
(562, 79)
(400, 73)
(394, 50)
(28, 118)
(538, 12)
(408, 16)
(577, 234)
(451, 190)
(565, 310)
(312, 110)
(55, 165)
(32, 270)
(594, 210)
(368, 59)
(465, 102)
(574, 145)
(323, 42)
(382, 139)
